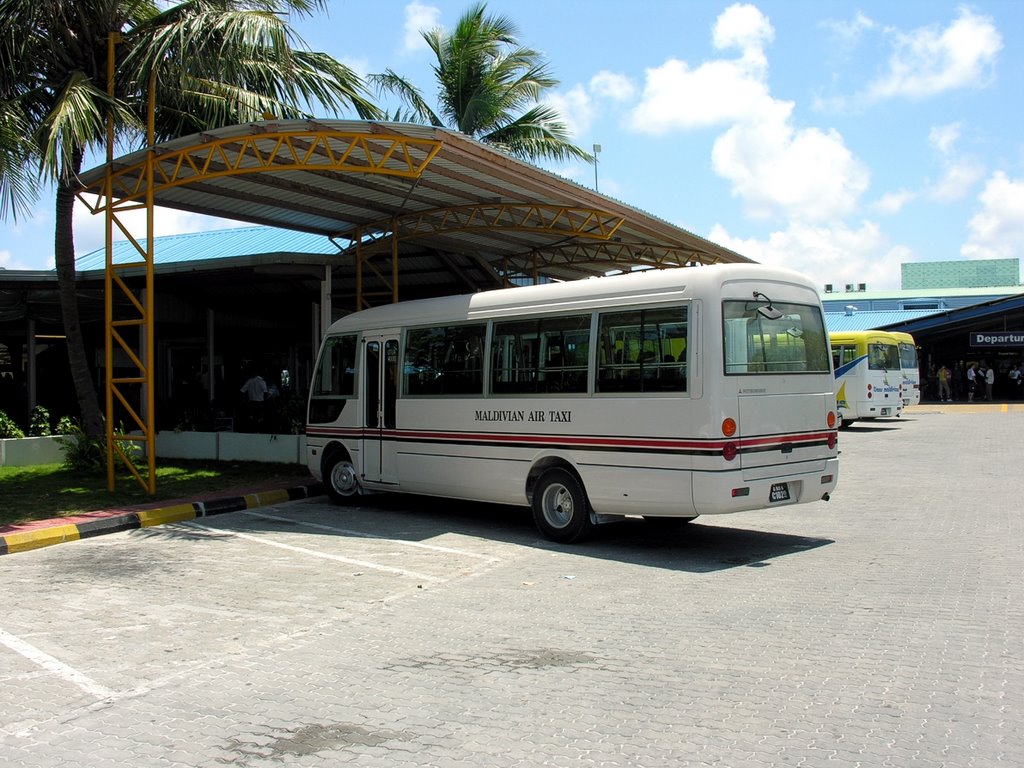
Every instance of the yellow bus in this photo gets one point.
(869, 378)
(909, 366)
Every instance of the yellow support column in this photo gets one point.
(108, 300)
(141, 409)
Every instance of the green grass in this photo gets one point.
(53, 490)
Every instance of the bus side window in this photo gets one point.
(444, 361)
(547, 354)
(642, 344)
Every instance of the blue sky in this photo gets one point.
(839, 139)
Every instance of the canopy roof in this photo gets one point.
(435, 198)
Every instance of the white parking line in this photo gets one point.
(314, 553)
(59, 668)
(364, 535)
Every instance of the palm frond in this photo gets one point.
(250, 52)
(78, 120)
(419, 110)
(485, 79)
(19, 183)
(537, 134)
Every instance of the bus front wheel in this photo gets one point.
(341, 480)
(560, 507)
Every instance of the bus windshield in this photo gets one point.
(794, 342)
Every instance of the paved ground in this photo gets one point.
(884, 628)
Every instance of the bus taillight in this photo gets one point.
(831, 420)
(869, 391)
(728, 427)
(832, 440)
(729, 451)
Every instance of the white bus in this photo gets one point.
(671, 393)
(909, 367)
(869, 379)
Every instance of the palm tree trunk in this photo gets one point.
(64, 255)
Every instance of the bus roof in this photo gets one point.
(855, 336)
(654, 284)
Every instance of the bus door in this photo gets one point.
(380, 388)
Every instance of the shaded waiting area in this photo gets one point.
(410, 211)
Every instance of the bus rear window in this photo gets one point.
(793, 342)
(883, 357)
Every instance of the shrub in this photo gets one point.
(89, 454)
(81, 452)
(65, 426)
(39, 422)
(8, 428)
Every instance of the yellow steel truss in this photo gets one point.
(382, 237)
(314, 149)
(613, 254)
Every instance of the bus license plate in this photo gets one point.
(779, 492)
(885, 411)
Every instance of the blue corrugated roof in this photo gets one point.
(869, 320)
(218, 244)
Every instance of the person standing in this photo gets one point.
(990, 380)
(972, 381)
(255, 390)
(943, 376)
(1014, 376)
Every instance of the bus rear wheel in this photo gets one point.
(341, 480)
(560, 507)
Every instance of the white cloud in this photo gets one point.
(361, 66)
(807, 174)
(418, 18)
(943, 137)
(778, 170)
(717, 92)
(575, 108)
(744, 27)
(893, 202)
(7, 261)
(960, 174)
(834, 254)
(997, 230)
(848, 33)
(929, 60)
(957, 182)
(612, 86)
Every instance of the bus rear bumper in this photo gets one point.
(730, 492)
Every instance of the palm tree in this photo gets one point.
(214, 63)
(488, 88)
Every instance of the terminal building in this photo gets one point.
(957, 311)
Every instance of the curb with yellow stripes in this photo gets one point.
(58, 533)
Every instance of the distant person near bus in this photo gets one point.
(944, 375)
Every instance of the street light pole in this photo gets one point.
(597, 151)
